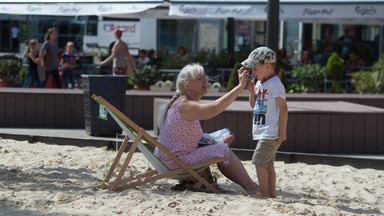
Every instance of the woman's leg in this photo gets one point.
(236, 172)
(47, 74)
(56, 76)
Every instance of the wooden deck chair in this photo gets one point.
(137, 134)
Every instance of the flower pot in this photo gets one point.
(5, 83)
(146, 88)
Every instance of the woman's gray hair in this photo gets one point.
(189, 72)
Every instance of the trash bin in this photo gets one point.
(111, 88)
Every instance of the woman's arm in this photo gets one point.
(115, 48)
(130, 58)
(192, 110)
(42, 53)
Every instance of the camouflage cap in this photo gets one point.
(260, 55)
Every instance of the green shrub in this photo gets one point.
(234, 79)
(146, 76)
(335, 66)
(296, 88)
(335, 88)
(370, 81)
(378, 73)
(22, 73)
(9, 68)
(312, 75)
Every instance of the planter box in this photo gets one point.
(111, 88)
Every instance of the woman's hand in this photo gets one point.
(229, 139)
(244, 73)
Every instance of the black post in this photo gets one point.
(230, 61)
(28, 30)
(273, 26)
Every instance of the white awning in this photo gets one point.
(76, 8)
(338, 11)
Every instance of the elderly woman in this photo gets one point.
(181, 130)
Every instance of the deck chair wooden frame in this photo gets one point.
(136, 134)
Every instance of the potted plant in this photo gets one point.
(144, 77)
(9, 69)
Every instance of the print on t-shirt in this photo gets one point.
(260, 110)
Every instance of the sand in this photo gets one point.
(48, 179)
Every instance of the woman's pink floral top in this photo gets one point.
(181, 137)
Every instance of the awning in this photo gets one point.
(76, 8)
(338, 11)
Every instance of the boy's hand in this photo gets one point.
(251, 86)
(229, 139)
(282, 137)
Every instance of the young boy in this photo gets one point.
(270, 116)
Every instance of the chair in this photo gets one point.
(137, 134)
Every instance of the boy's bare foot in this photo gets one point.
(254, 194)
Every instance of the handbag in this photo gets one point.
(128, 69)
(48, 57)
(41, 73)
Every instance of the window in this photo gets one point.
(91, 26)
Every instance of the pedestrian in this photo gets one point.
(120, 56)
(32, 54)
(50, 58)
(15, 31)
(67, 63)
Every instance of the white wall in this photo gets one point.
(148, 34)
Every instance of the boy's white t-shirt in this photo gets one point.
(265, 119)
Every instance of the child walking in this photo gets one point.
(270, 115)
(67, 63)
(32, 54)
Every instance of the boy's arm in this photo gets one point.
(283, 119)
(252, 96)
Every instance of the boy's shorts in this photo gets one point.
(265, 153)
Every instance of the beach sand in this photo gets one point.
(47, 179)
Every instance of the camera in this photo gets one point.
(251, 77)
